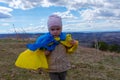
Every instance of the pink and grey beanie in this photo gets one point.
(54, 20)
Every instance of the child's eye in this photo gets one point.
(58, 29)
(52, 29)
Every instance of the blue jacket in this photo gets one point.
(46, 41)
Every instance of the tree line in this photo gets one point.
(106, 47)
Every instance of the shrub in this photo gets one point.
(114, 48)
(103, 46)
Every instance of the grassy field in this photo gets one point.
(87, 64)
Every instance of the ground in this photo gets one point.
(87, 64)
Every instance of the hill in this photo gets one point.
(86, 39)
(87, 64)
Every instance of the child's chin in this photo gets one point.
(56, 36)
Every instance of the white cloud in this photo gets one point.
(92, 8)
(28, 4)
(34, 29)
(66, 15)
(5, 24)
(5, 12)
(30, 28)
(21, 4)
(88, 14)
(89, 11)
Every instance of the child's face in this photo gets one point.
(55, 30)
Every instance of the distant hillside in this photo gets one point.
(85, 39)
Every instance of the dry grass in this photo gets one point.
(87, 63)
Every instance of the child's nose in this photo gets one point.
(55, 31)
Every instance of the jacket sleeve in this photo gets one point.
(38, 44)
(43, 43)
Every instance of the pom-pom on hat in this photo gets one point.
(54, 20)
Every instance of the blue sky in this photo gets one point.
(31, 16)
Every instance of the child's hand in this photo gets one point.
(73, 42)
(74, 45)
(47, 52)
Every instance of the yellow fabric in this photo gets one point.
(57, 38)
(67, 43)
(73, 48)
(37, 59)
(67, 40)
(32, 60)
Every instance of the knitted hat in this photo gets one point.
(54, 20)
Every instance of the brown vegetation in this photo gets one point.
(87, 64)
